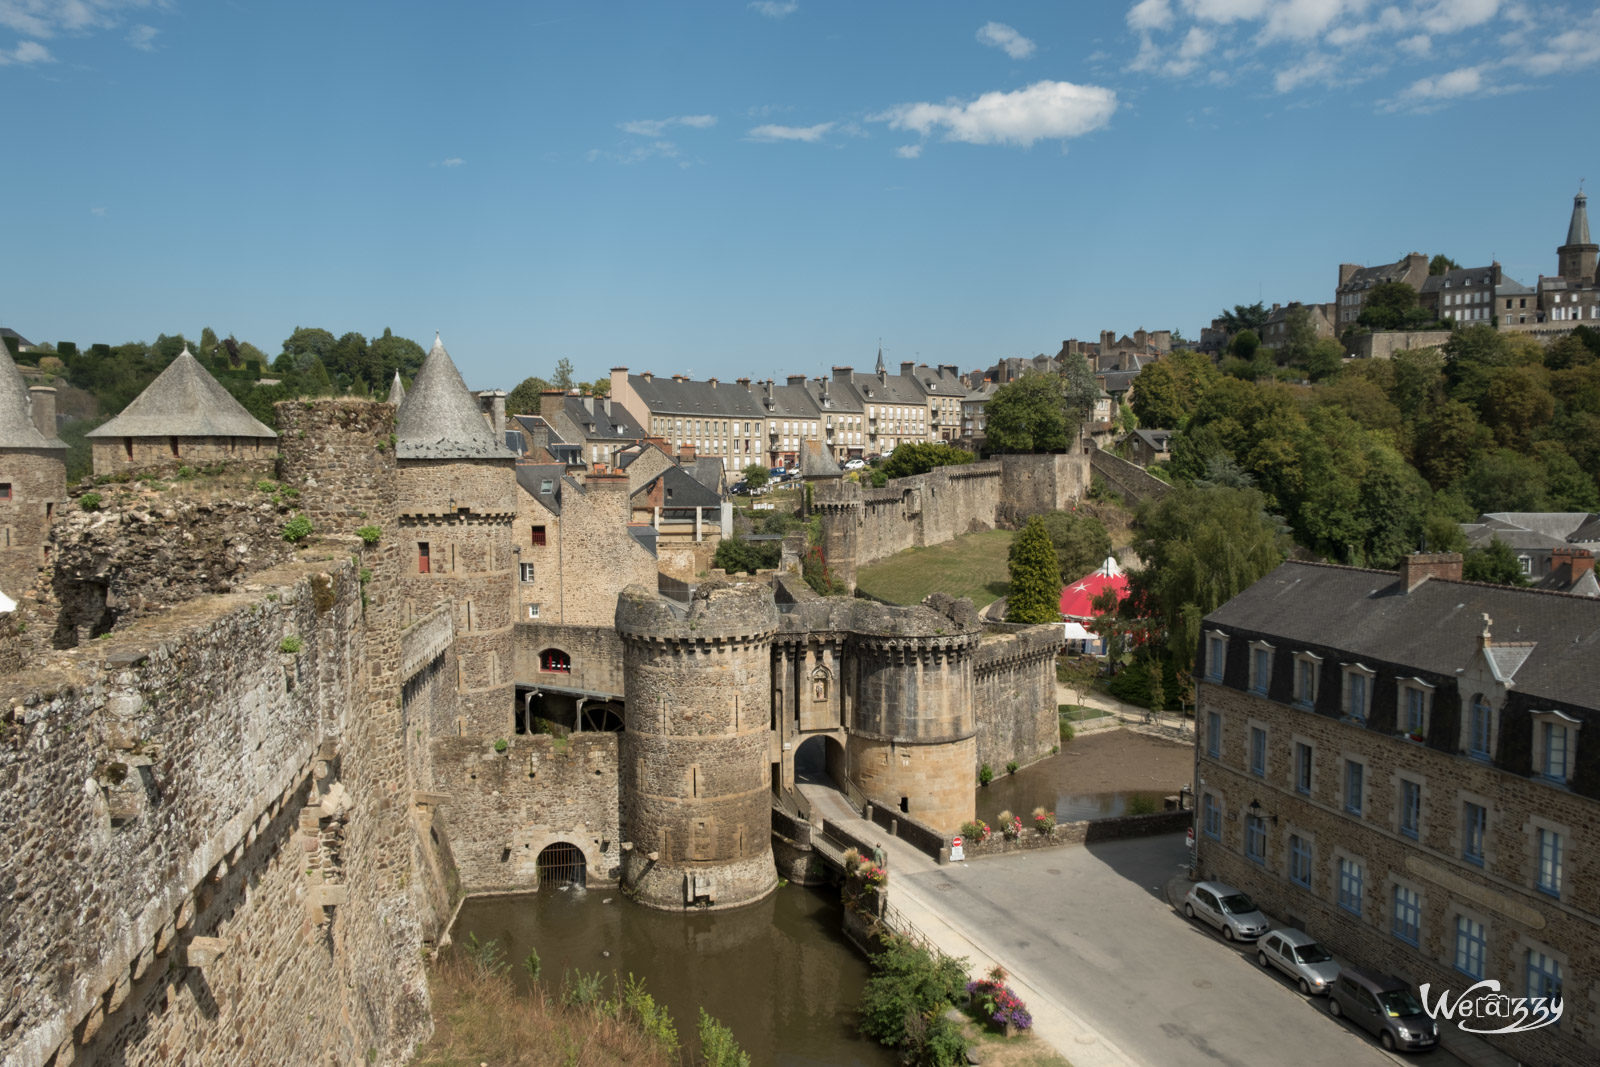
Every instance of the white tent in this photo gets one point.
(1109, 568)
(7, 604)
(1072, 631)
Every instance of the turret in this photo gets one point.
(33, 478)
(1576, 259)
(695, 778)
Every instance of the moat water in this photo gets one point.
(1047, 785)
(777, 972)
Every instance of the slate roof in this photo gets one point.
(889, 389)
(440, 418)
(644, 534)
(397, 392)
(601, 419)
(793, 402)
(664, 396)
(16, 423)
(22, 342)
(708, 471)
(531, 476)
(1367, 277)
(680, 490)
(1117, 382)
(1369, 616)
(1578, 227)
(936, 381)
(184, 401)
(832, 398)
(1559, 525)
(1461, 278)
(817, 461)
(1160, 440)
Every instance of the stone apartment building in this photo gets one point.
(1467, 296)
(896, 408)
(1355, 281)
(1408, 767)
(1275, 331)
(598, 425)
(572, 525)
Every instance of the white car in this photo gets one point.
(854, 464)
(1229, 910)
(1297, 954)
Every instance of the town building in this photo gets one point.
(183, 418)
(944, 390)
(571, 526)
(1275, 331)
(598, 425)
(1555, 549)
(1467, 296)
(1572, 296)
(843, 417)
(1355, 281)
(973, 421)
(33, 479)
(1405, 766)
(896, 408)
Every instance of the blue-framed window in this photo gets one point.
(1544, 974)
(1211, 817)
(1261, 668)
(1410, 808)
(1355, 688)
(1299, 860)
(1480, 728)
(1350, 878)
(1258, 751)
(1305, 682)
(1407, 923)
(1214, 734)
(1216, 657)
(1302, 767)
(1474, 825)
(1472, 944)
(1550, 862)
(1355, 776)
(1554, 764)
(1416, 710)
(1255, 838)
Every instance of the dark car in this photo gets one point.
(1382, 1005)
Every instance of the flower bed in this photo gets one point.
(1078, 833)
(993, 1000)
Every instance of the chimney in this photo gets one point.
(686, 454)
(497, 409)
(680, 378)
(952, 369)
(551, 402)
(907, 368)
(797, 379)
(1418, 567)
(713, 382)
(842, 374)
(1579, 561)
(42, 404)
(649, 375)
(1141, 338)
(614, 484)
(1346, 272)
(1108, 341)
(744, 382)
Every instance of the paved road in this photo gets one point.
(1091, 929)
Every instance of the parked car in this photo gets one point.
(1383, 1005)
(740, 489)
(1229, 910)
(854, 464)
(1297, 954)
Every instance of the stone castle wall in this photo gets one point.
(124, 455)
(507, 807)
(37, 480)
(236, 889)
(1014, 692)
(1130, 481)
(595, 653)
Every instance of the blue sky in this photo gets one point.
(764, 188)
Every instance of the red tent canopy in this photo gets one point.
(1077, 597)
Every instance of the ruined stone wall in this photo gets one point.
(688, 561)
(1128, 480)
(340, 455)
(1035, 484)
(204, 850)
(1014, 693)
(36, 485)
(694, 775)
(594, 651)
(124, 455)
(504, 808)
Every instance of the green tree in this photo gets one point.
(524, 399)
(310, 339)
(1441, 264)
(1392, 306)
(1496, 562)
(1200, 547)
(756, 475)
(735, 554)
(1030, 415)
(1324, 360)
(563, 376)
(395, 354)
(600, 387)
(1080, 541)
(1449, 442)
(920, 457)
(1245, 317)
(1300, 336)
(908, 984)
(1166, 391)
(1035, 592)
(1503, 480)
(718, 1046)
(1244, 345)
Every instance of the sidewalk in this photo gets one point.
(1056, 1024)
(1465, 1048)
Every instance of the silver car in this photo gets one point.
(1229, 910)
(1297, 954)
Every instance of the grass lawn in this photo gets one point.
(1080, 712)
(973, 565)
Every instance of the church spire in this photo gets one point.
(879, 369)
(1578, 228)
(1576, 259)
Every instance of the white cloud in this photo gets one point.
(143, 38)
(999, 35)
(1304, 20)
(1226, 10)
(1150, 15)
(1418, 45)
(908, 151)
(1571, 49)
(1308, 69)
(26, 52)
(775, 9)
(98, 212)
(453, 161)
(1465, 81)
(46, 18)
(1196, 45)
(1453, 16)
(656, 127)
(1045, 110)
(808, 134)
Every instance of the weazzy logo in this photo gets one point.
(1483, 1004)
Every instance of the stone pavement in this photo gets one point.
(1054, 1022)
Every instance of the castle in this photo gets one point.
(240, 816)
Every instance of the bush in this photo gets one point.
(500, 745)
(985, 774)
(1067, 732)
(1011, 766)
(370, 534)
(879, 479)
(975, 832)
(996, 1002)
(735, 554)
(717, 1045)
(1044, 821)
(185, 473)
(297, 529)
(89, 502)
(909, 984)
(291, 645)
(266, 486)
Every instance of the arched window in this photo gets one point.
(553, 659)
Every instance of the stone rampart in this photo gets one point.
(1014, 686)
(1128, 480)
(594, 653)
(1385, 344)
(125, 455)
(340, 455)
(199, 854)
(36, 483)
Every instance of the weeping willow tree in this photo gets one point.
(1200, 547)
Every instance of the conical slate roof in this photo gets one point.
(440, 418)
(1578, 228)
(397, 392)
(184, 401)
(16, 424)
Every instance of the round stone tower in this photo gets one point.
(33, 478)
(456, 486)
(695, 793)
(913, 741)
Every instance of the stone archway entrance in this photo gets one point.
(562, 863)
(820, 759)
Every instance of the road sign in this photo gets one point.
(1188, 839)
(957, 853)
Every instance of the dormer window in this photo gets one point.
(1555, 737)
(1216, 654)
(1260, 667)
(1306, 667)
(1357, 701)
(1416, 703)
(1479, 740)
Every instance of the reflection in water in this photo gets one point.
(1045, 785)
(777, 972)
